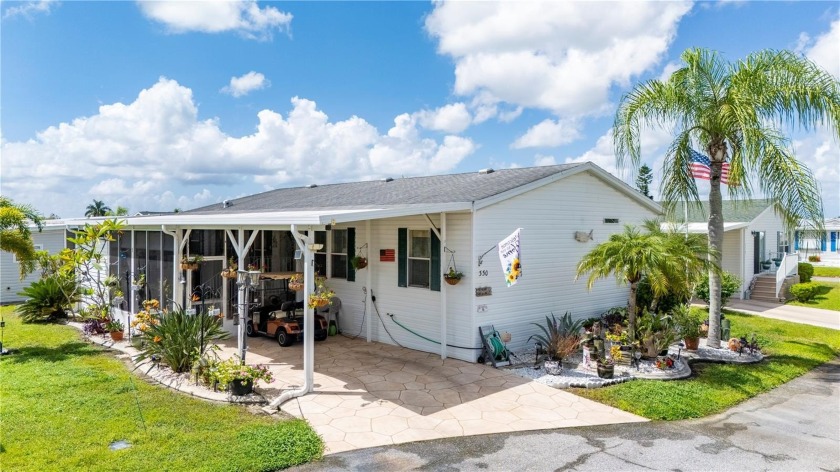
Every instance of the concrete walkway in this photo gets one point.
(796, 314)
(795, 427)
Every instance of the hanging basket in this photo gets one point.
(360, 263)
(451, 280)
(189, 266)
(319, 302)
(296, 286)
(229, 274)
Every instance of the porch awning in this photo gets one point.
(700, 228)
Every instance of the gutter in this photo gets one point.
(308, 329)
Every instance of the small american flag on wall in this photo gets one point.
(387, 255)
(701, 168)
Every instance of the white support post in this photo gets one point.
(443, 286)
(305, 242)
(368, 281)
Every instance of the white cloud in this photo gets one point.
(548, 133)
(540, 160)
(243, 16)
(29, 9)
(559, 56)
(825, 50)
(246, 84)
(669, 70)
(452, 118)
(155, 154)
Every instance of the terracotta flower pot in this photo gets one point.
(692, 343)
(451, 280)
(117, 335)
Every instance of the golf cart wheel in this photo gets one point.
(284, 339)
(321, 336)
(249, 329)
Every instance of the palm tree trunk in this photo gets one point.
(715, 252)
(631, 310)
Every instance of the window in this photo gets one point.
(38, 247)
(419, 258)
(782, 245)
(338, 254)
(321, 254)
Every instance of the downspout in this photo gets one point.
(308, 324)
(175, 243)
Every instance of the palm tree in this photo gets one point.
(628, 256)
(734, 113)
(15, 236)
(97, 208)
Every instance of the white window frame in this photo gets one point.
(38, 247)
(428, 236)
(333, 253)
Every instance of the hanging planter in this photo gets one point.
(359, 262)
(191, 263)
(296, 282)
(230, 272)
(454, 275)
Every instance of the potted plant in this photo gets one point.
(322, 296)
(238, 377)
(115, 328)
(253, 267)
(559, 338)
(606, 367)
(230, 272)
(359, 262)
(765, 265)
(688, 326)
(453, 276)
(191, 263)
(296, 282)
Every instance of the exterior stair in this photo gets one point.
(764, 289)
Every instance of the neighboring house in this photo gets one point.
(752, 234)
(53, 238)
(411, 230)
(829, 241)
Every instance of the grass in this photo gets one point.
(794, 349)
(828, 297)
(821, 271)
(64, 401)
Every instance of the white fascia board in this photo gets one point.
(700, 228)
(395, 212)
(601, 174)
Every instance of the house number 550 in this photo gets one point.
(483, 273)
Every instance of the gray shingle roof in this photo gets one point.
(741, 211)
(451, 188)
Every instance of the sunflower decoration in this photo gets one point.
(516, 268)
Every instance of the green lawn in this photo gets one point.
(828, 298)
(794, 349)
(820, 271)
(64, 401)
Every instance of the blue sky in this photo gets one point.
(161, 105)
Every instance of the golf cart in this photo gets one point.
(283, 323)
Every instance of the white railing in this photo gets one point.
(789, 266)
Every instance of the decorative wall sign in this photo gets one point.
(483, 291)
(481, 308)
(387, 255)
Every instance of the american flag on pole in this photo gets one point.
(701, 167)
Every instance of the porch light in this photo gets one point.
(315, 247)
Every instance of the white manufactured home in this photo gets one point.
(51, 238)
(411, 230)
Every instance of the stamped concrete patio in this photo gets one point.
(373, 394)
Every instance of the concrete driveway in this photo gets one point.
(795, 427)
(373, 394)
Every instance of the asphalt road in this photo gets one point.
(795, 427)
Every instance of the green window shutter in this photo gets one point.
(434, 268)
(351, 253)
(402, 257)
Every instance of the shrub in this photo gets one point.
(46, 299)
(814, 258)
(729, 284)
(687, 321)
(805, 292)
(806, 271)
(176, 338)
(665, 303)
(556, 333)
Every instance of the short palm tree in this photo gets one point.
(97, 208)
(15, 236)
(629, 256)
(733, 113)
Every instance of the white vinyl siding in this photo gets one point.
(549, 217)
(50, 239)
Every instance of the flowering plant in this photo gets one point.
(322, 296)
(232, 369)
(143, 319)
(453, 274)
(253, 266)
